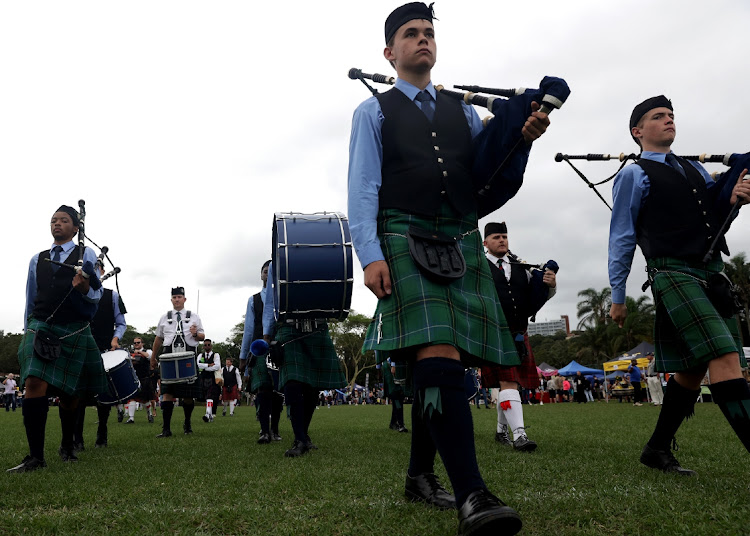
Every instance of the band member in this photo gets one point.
(394, 390)
(307, 363)
(673, 210)
(58, 356)
(263, 376)
(231, 390)
(209, 363)
(141, 358)
(107, 327)
(9, 392)
(179, 330)
(521, 297)
(410, 161)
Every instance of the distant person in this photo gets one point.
(10, 392)
(635, 381)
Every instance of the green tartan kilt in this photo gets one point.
(260, 376)
(465, 313)
(688, 331)
(79, 371)
(312, 359)
(404, 385)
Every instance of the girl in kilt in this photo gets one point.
(60, 303)
(409, 175)
(673, 210)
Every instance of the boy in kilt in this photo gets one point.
(264, 381)
(177, 329)
(230, 391)
(58, 356)
(673, 210)
(521, 297)
(410, 157)
(307, 363)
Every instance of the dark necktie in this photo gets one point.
(426, 104)
(56, 257)
(672, 161)
(179, 322)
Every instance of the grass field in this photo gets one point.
(584, 479)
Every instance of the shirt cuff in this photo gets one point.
(369, 254)
(618, 296)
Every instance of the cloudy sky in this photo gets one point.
(186, 125)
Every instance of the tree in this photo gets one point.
(348, 338)
(738, 270)
(593, 308)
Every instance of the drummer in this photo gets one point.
(179, 330)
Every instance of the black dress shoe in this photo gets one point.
(165, 433)
(664, 461)
(503, 438)
(275, 436)
(120, 415)
(427, 488)
(78, 447)
(524, 444)
(29, 463)
(187, 428)
(310, 445)
(150, 418)
(298, 449)
(393, 426)
(101, 439)
(402, 429)
(483, 513)
(264, 439)
(67, 454)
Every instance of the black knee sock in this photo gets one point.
(296, 404)
(35, 421)
(400, 415)
(188, 408)
(78, 429)
(422, 454)
(167, 407)
(277, 405)
(103, 411)
(394, 412)
(67, 424)
(310, 397)
(733, 397)
(678, 404)
(264, 409)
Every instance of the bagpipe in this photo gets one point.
(539, 289)
(86, 268)
(737, 163)
(497, 146)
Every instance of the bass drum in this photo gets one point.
(312, 263)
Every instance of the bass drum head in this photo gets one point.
(114, 358)
(313, 266)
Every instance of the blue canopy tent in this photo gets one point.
(574, 367)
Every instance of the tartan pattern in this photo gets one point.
(146, 392)
(465, 313)
(311, 360)
(259, 375)
(79, 371)
(230, 394)
(688, 332)
(183, 390)
(524, 374)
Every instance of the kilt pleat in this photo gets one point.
(79, 371)
(311, 359)
(524, 374)
(688, 331)
(465, 313)
(259, 375)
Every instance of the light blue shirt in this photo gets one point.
(629, 192)
(269, 305)
(120, 325)
(365, 165)
(247, 334)
(92, 296)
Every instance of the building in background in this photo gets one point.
(550, 327)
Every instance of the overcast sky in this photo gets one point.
(186, 125)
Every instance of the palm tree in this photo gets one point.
(593, 308)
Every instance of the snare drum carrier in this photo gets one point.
(177, 364)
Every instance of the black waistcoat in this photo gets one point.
(514, 295)
(103, 323)
(677, 218)
(230, 378)
(51, 288)
(425, 163)
(258, 318)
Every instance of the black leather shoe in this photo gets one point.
(264, 439)
(402, 429)
(101, 439)
(393, 426)
(67, 455)
(29, 463)
(165, 433)
(298, 449)
(664, 461)
(310, 445)
(150, 418)
(524, 444)
(483, 513)
(78, 447)
(120, 415)
(187, 428)
(503, 438)
(275, 436)
(427, 488)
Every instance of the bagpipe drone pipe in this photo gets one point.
(500, 152)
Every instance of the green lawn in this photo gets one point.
(583, 479)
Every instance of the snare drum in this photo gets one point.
(313, 270)
(121, 377)
(178, 367)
